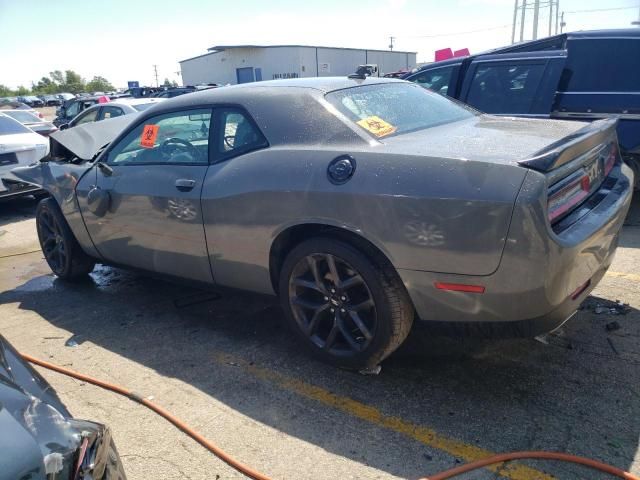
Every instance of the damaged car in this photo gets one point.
(39, 439)
(363, 203)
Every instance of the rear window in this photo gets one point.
(602, 65)
(9, 126)
(396, 108)
(142, 106)
(22, 116)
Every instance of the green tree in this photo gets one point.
(45, 86)
(57, 77)
(73, 82)
(99, 84)
(166, 82)
(174, 84)
(22, 90)
(5, 91)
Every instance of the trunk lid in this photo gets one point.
(486, 138)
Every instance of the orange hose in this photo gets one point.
(251, 473)
(218, 452)
(505, 457)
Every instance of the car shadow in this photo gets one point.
(573, 391)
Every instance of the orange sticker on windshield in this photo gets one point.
(149, 135)
(377, 126)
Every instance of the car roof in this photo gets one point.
(135, 101)
(236, 93)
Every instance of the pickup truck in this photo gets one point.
(584, 75)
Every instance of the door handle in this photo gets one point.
(185, 184)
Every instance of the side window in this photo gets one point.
(237, 134)
(504, 88)
(88, 117)
(72, 110)
(110, 112)
(177, 137)
(437, 79)
(602, 65)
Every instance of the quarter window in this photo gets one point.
(437, 79)
(505, 88)
(237, 134)
(176, 138)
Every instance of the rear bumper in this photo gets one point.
(542, 277)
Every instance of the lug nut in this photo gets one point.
(326, 299)
(343, 298)
(333, 290)
(342, 310)
(333, 310)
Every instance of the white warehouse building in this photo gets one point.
(251, 63)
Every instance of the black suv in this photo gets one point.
(73, 107)
(581, 75)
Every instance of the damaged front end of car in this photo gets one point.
(38, 437)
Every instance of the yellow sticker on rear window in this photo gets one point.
(377, 126)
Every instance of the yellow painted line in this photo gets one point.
(424, 435)
(628, 276)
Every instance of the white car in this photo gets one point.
(19, 147)
(117, 108)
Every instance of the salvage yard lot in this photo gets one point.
(228, 367)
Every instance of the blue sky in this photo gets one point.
(122, 39)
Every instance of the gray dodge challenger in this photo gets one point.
(363, 203)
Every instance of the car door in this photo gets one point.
(151, 179)
(88, 116)
(522, 84)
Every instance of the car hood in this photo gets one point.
(505, 140)
(84, 141)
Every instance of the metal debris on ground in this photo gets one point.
(72, 341)
(606, 307)
(371, 370)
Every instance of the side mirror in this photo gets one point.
(64, 126)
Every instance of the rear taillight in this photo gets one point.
(610, 161)
(568, 193)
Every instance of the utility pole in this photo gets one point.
(550, 15)
(557, 14)
(524, 8)
(515, 19)
(536, 12)
(155, 69)
(391, 39)
(562, 24)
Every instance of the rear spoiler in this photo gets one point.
(572, 146)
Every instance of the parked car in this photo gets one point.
(102, 111)
(173, 92)
(50, 100)
(31, 121)
(8, 100)
(71, 108)
(65, 96)
(39, 438)
(19, 106)
(18, 146)
(31, 100)
(360, 202)
(553, 78)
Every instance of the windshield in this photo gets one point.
(22, 116)
(143, 106)
(396, 108)
(9, 126)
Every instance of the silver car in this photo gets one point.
(103, 111)
(363, 203)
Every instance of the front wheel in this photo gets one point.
(59, 246)
(349, 308)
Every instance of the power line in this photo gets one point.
(455, 33)
(600, 9)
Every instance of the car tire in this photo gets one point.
(59, 246)
(354, 322)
